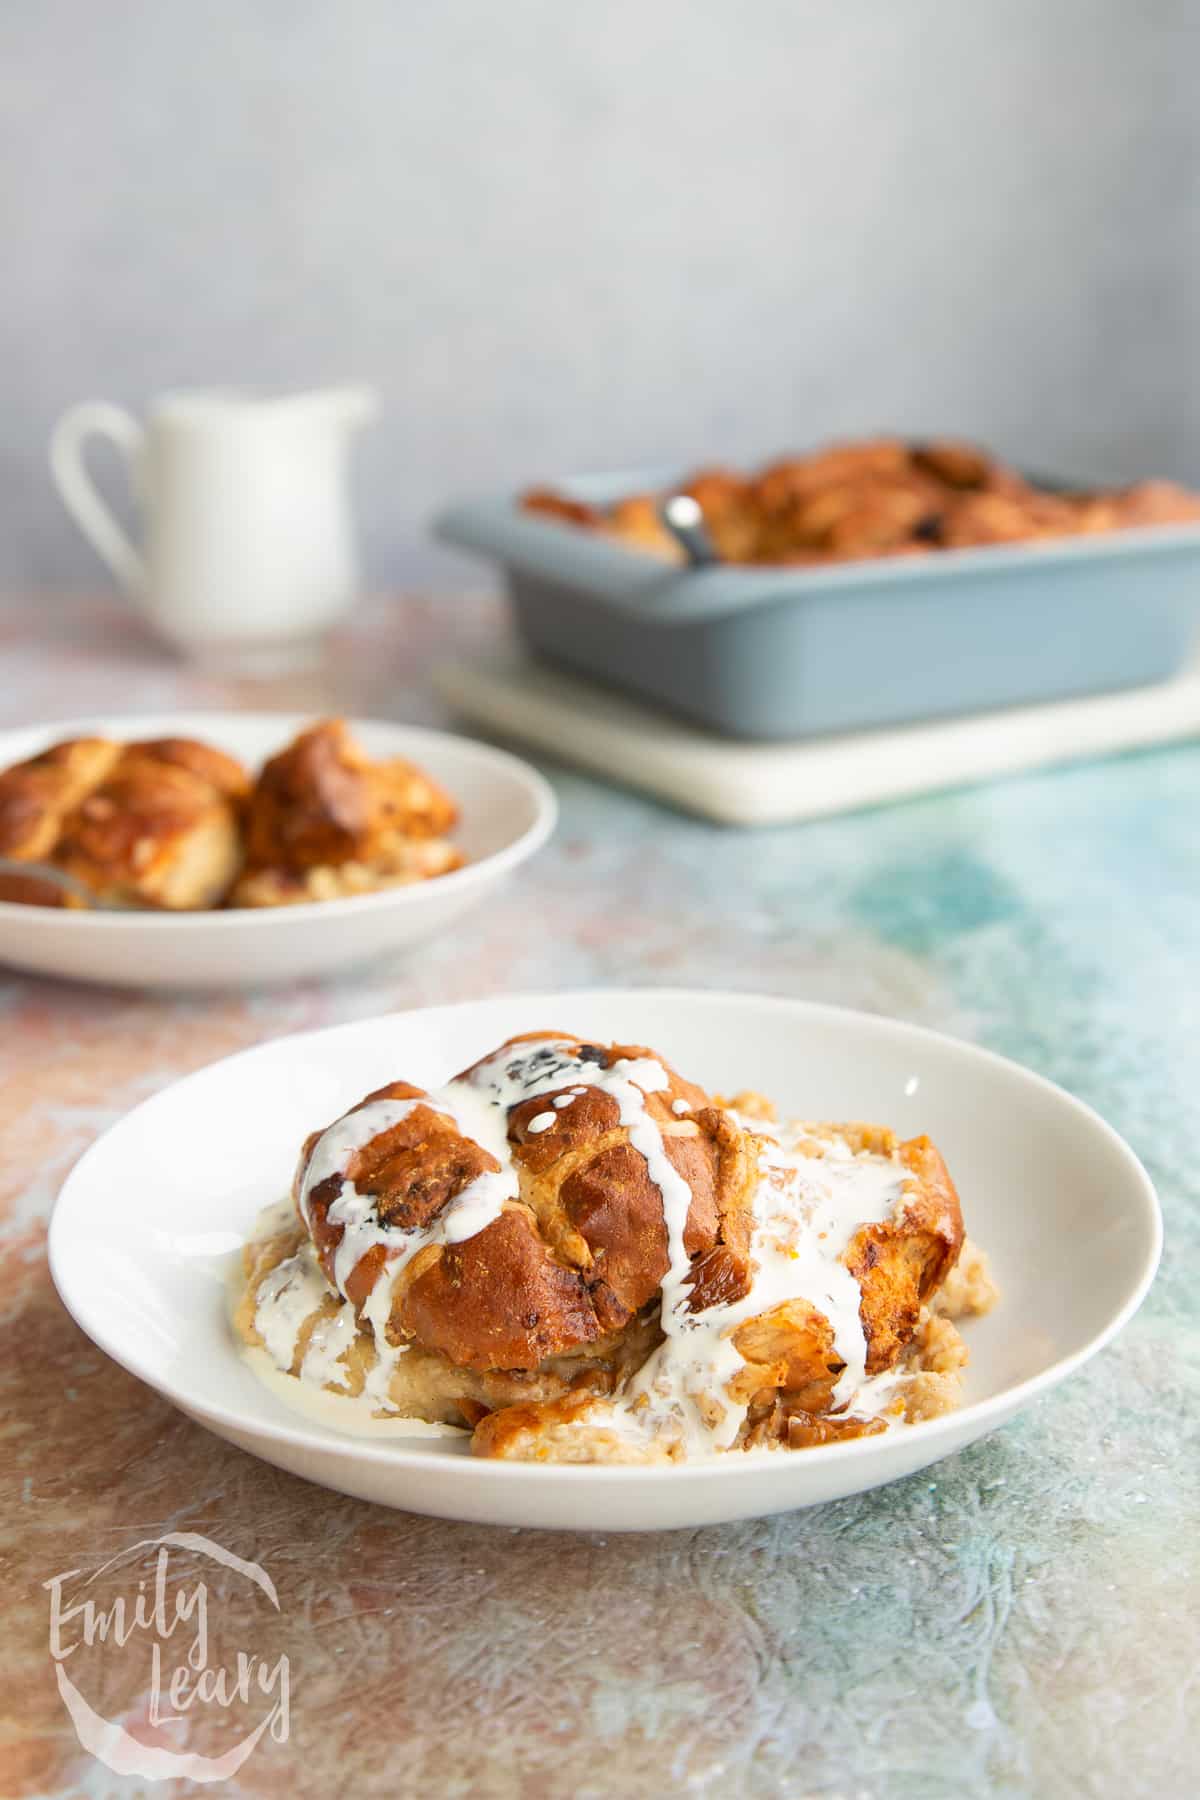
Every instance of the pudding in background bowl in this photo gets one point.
(354, 883)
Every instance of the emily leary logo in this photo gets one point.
(168, 1619)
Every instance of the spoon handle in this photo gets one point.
(56, 878)
(684, 520)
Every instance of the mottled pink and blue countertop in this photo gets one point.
(1023, 1619)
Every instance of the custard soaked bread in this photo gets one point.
(578, 1253)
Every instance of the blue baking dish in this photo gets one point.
(771, 653)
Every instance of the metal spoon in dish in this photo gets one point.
(682, 517)
(69, 885)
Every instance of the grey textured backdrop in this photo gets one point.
(560, 236)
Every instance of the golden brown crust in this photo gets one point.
(878, 497)
(38, 794)
(583, 1248)
(152, 824)
(900, 1264)
(322, 803)
(499, 1300)
(152, 832)
(215, 767)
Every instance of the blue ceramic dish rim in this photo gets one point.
(494, 525)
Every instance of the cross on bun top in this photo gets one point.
(526, 1211)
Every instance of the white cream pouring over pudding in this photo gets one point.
(806, 1211)
(479, 1106)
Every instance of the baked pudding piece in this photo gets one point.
(146, 824)
(878, 497)
(325, 821)
(577, 1254)
(177, 824)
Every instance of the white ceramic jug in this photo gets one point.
(248, 550)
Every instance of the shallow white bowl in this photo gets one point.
(147, 1222)
(508, 812)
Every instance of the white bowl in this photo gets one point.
(145, 1228)
(508, 812)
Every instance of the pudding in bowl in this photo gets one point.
(577, 1255)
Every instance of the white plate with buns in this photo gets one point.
(145, 1241)
(190, 782)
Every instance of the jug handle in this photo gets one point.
(80, 496)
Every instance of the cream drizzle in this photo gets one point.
(476, 1207)
(807, 1209)
(327, 1344)
(479, 1106)
(288, 1295)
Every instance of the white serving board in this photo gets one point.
(773, 784)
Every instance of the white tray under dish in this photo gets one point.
(774, 784)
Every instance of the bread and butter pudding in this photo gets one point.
(325, 821)
(577, 1255)
(176, 825)
(876, 497)
(153, 824)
